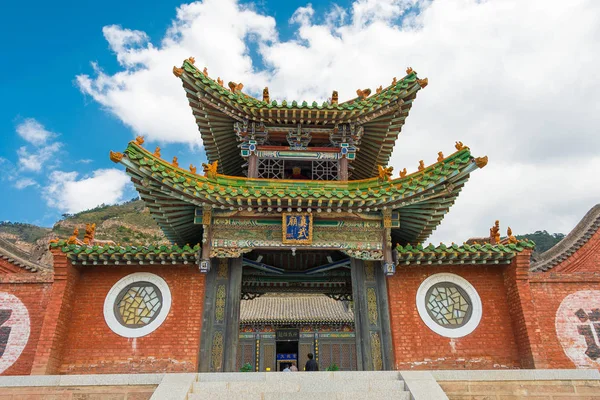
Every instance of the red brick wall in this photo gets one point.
(491, 345)
(548, 295)
(587, 258)
(91, 347)
(33, 290)
(522, 312)
(580, 272)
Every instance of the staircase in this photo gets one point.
(300, 385)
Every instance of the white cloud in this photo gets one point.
(22, 183)
(36, 160)
(34, 132)
(67, 193)
(514, 80)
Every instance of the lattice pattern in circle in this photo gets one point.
(138, 304)
(448, 305)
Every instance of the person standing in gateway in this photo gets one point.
(311, 365)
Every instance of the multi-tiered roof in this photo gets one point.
(177, 196)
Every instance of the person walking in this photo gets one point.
(311, 365)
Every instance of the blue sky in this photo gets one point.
(79, 79)
(50, 43)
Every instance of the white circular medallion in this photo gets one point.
(449, 305)
(578, 328)
(137, 304)
(14, 329)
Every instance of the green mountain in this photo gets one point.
(129, 222)
(543, 240)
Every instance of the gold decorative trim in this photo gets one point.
(220, 304)
(222, 268)
(369, 271)
(284, 240)
(217, 352)
(376, 352)
(372, 306)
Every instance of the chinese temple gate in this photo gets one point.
(294, 239)
(295, 198)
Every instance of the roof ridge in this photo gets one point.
(579, 236)
(18, 257)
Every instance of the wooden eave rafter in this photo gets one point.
(173, 194)
(216, 110)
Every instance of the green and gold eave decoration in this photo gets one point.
(115, 254)
(226, 190)
(172, 193)
(476, 253)
(233, 96)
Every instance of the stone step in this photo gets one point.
(303, 384)
(382, 395)
(291, 376)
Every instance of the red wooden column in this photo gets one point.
(48, 355)
(522, 312)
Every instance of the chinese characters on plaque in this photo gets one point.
(297, 228)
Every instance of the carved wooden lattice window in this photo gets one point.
(245, 354)
(325, 170)
(270, 168)
(304, 349)
(342, 353)
(268, 355)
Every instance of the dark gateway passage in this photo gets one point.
(293, 305)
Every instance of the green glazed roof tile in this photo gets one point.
(129, 254)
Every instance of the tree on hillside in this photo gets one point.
(543, 240)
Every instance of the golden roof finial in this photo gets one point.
(440, 156)
(364, 93)
(495, 233)
(394, 81)
(235, 87)
(481, 161)
(177, 71)
(423, 82)
(334, 97)
(205, 71)
(511, 238)
(115, 156)
(139, 140)
(409, 71)
(459, 146)
(90, 232)
(73, 238)
(403, 173)
(220, 81)
(157, 152)
(191, 60)
(421, 165)
(384, 174)
(210, 170)
(192, 169)
(175, 162)
(266, 97)
(379, 89)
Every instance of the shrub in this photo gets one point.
(246, 368)
(333, 367)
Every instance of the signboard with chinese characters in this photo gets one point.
(297, 228)
(287, 334)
